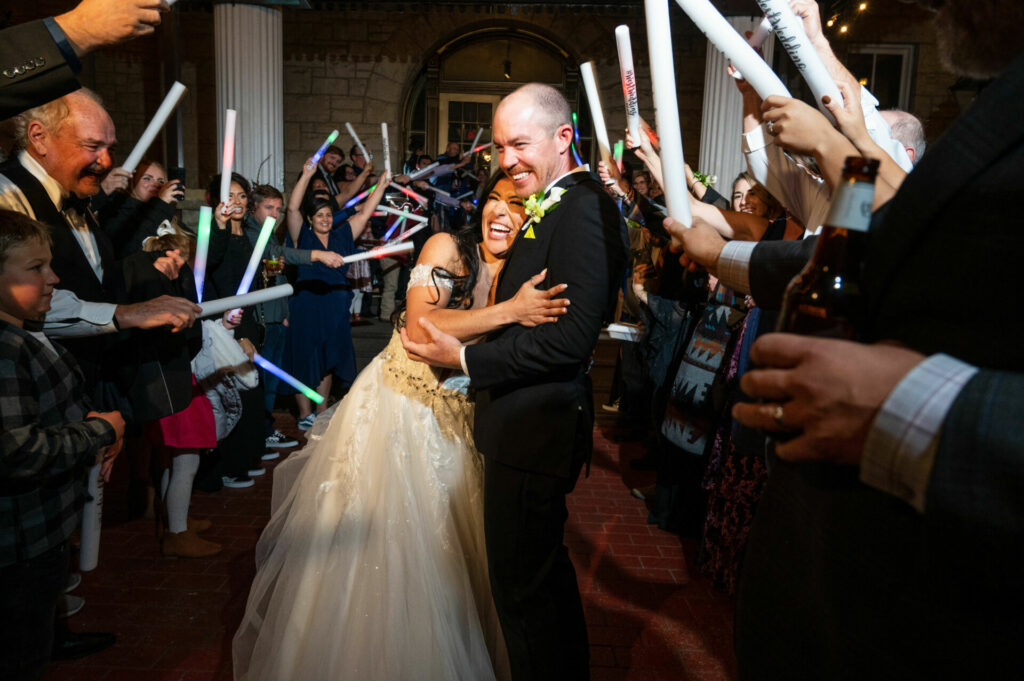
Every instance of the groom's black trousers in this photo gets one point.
(533, 582)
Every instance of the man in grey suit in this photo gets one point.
(886, 543)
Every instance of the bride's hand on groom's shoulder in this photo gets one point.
(532, 306)
(441, 350)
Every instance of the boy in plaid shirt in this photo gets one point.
(48, 440)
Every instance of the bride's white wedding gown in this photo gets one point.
(372, 566)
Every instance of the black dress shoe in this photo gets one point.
(76, 644)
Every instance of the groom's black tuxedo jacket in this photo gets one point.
(533, 393)
(842, 581)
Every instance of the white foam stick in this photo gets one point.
(756, 40)
(381, 252)
(724, 37)
(423, 171)
(472, 147)
(408, 233)
(790, 30)
(622, 42)
(257, 255)
(156, 124)
(92, 521)
(663, 77)
(596, 112)
(402, 213)
(227, 159)
(359, 143)
(387, 147)
(221, 305)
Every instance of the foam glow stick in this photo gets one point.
(423, 171)
(596, 112)
(221, 305)
(227, 159)
(628, 81)
(756, 40)
(576, 136)
(257, 255)
(287, 378)
(422, 200)
(387, 147)
(381, 252)
(790, 30)
(663, 78)
(323, 147)
(402, 213)
(398, 222)
(617, 153)
(359, 197)
(202, 248)
(409, 233)
(359, 143)
(472, 147)
(724, 37)
(92, 522)
(156, 124)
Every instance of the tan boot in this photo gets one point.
(188, 544)
(198, 525)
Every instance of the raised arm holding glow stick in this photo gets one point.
(736, 49)
(790, 30)
(472, 147)
(596, 112)
(156, 124)
(386, 147)
(227, 159)
(202, 248)
(257, 255)
(663, 77)
(359, 143)
(622, 42)
(323, 147)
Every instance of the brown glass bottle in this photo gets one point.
(825, 298)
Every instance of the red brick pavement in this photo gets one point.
(649, 618)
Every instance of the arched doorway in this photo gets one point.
(464, 78)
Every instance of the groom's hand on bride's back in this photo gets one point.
(441, 350)
(531, 306)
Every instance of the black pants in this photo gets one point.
(532, 579)
(29, 591)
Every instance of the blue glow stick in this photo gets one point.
(391, 231)
(576, 136)
(323, 147)
(202, 249)
(288, 378)
(359, 197)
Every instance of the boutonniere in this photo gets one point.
(706, 179)
(537, 208)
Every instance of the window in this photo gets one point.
(886, 70)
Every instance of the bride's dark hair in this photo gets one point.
(467, 241)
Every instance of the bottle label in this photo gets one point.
(851, 206)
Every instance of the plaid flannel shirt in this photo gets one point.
(46, 445)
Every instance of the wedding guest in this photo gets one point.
(131, 217)
(328, 165)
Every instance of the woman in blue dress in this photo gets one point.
(319, 344)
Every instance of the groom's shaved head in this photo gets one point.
(550, 108)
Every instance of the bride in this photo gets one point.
(372, 566)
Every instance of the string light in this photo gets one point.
(863, 6)
(831, 22)
(843, 28)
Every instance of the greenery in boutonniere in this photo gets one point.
(537, 208)
(705, 179)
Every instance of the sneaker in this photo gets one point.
(68, 605)
(270, 455)
(237, 483)
(256, 472)
(613, 407)
(74, 579)
(279, 439)
(188, 545)
(307, 422)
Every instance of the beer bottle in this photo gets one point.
(825, 298)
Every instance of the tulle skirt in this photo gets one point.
(373, 564)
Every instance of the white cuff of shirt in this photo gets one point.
(900, 447)
(754, 140)
(734, 265)
(462, 360)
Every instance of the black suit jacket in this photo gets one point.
(32, 69)
(845, 581)
(533, 393)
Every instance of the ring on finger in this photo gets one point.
(777, 415)
(771, 128)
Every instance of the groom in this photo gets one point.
(534, 407)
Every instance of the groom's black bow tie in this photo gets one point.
(74, 203)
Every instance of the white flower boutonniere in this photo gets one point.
(536, 208)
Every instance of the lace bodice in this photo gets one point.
(421, 276)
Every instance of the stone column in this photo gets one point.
(721, 141)
(248, 52)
